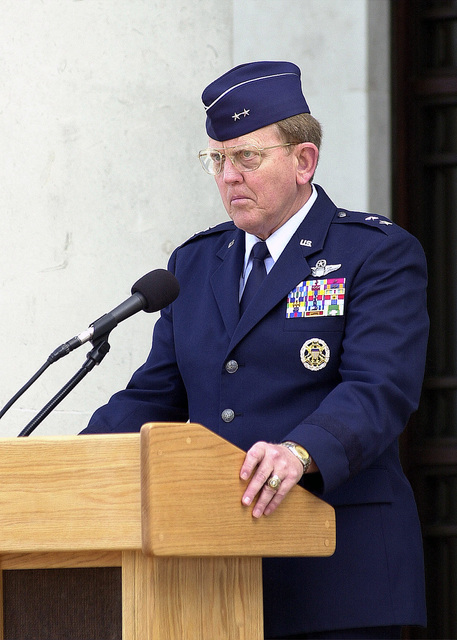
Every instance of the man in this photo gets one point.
(308, 354)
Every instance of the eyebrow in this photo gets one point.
(242, 144)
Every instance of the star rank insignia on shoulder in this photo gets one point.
(371, 220)
(380, 220)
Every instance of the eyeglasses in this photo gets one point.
(245, 158)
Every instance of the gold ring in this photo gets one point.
(274, 482)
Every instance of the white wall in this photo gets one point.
(342, 49)
(100, 124)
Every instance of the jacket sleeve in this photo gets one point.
(382, 363)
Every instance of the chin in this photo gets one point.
(245, 223)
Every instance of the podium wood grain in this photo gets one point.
(191, 497)
(70, 493)
(192, 598)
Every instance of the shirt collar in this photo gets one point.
(278, 240)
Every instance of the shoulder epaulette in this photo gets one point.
(368, 219)
(218, 229)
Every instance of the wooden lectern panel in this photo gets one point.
(191, 502)
(192, 598)
(70, 493)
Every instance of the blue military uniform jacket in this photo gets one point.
(330, 354)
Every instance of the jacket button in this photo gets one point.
(228, 415)
(342, 214)
(231, 366)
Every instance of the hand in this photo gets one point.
(262, 461)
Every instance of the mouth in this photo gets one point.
(238, 199)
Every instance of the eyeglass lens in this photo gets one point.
(244, 159)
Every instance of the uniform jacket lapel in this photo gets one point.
(225, 280)
(291, 268)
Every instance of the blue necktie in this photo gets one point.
(258, 272)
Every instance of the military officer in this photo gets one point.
(299, 334)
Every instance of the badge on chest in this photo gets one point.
(315, 354)
(317, 298)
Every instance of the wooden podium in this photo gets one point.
(162, 510)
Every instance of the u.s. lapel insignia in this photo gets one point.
(315, 354)
(322, 268)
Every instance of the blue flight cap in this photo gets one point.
(252, 96)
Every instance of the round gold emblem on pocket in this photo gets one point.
(315, 354)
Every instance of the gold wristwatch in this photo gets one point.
(300, 453)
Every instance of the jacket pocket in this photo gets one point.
(315, 325)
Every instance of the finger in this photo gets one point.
(269, 499)
(257, 484)
(253, 458)
(275, 502)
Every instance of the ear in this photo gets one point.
(307, 156)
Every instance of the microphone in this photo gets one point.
(154, 291)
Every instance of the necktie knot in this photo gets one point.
(260, 251)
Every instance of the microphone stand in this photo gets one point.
(95, 356)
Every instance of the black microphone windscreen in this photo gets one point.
(159, 288)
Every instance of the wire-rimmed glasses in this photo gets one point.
(246, 157)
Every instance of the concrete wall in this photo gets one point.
(342, 49)
(100, 124)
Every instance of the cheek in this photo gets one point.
(273, 195)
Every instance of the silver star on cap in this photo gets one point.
(244, 113)
(323, 269)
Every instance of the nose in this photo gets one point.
(230, 173)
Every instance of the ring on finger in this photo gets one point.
(274, 482)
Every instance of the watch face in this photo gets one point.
(301, 452)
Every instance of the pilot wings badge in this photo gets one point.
(322, 268)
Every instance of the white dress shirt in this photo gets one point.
(277, 242)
